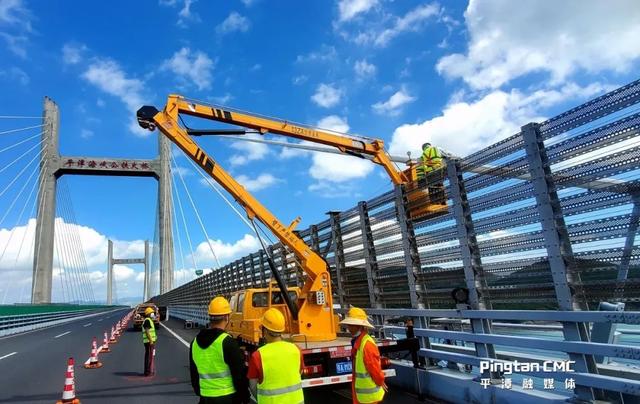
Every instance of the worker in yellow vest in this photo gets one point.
(218, 372)
(367, 384)
(275, 368)
(431, 160)
(430, 173)
(149, 340)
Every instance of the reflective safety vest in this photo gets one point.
(281, 382)
(367, 391)
(152, 331)
(431, 160)
(214, 373)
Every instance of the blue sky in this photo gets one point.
(461, 75)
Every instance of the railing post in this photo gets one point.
(623, 269)
(558, 245)
(338, 255)
(369, 252)
(262, 266)
(315, 240)
(410, 250)
(471, 258)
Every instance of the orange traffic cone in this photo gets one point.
(105, 344)
(113, 339)
(69, 392)
(93, 362)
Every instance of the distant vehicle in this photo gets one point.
(138, 318)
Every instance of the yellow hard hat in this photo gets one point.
(148, 311)
(219, 306)
(273, 320)
(357, 316)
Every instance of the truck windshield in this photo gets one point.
(260, 299)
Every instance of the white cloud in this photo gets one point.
(185, 14)
(326, 95)
(15, 74)
(86, 133)
(298, 80)
(336, 168)
(234, 22)
(108, 76)
(504, 44)
(16, 44)
(195, 66)
(248, 3)
(412, 21)
(181, 171)
(334, 123)
(72, 53)
(393, 106)
(251, 151)
(123, 273)
(226, 252)
(223, 99)
(382, 33)
(256, 184)
(15, 23)
(13, 12)
(465, 127)
(333, 190)
(364, 70)
(348, 9)
(325, 54)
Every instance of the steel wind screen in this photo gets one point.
(593, 153)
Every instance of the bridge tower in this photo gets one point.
(53, 166)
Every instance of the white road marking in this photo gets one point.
(60, 335)
(179, 338)
(8, 355)
(87, 325)
(100, 319)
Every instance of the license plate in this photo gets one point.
(343, 367)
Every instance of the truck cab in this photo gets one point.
(138, 317)
(248, 306)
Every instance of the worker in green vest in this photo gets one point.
(275, 368)
(367, 385)
(218, 372)
(431, 160)
(430, 173)
(149, 339)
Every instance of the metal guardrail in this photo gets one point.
(20, 323)
(614, 380)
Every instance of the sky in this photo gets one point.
(461, 75)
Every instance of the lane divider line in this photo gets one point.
(63, 334)
(179, 338)
(87, 325)
(7, 355)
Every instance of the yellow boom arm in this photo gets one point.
(315, 320)
(346, 144)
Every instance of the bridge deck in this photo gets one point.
(35, 373)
